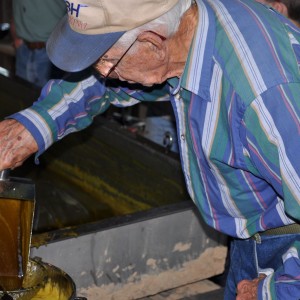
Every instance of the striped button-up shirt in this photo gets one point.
(237, 110)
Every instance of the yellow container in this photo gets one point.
(17, 202)
(43, 281)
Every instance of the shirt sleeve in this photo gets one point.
(64, 106)
(70, 105)
(272, 125)
(284, 283)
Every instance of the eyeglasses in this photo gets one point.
(102, 61)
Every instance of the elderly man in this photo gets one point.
(230, 69)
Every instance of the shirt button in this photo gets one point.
(182, 136)
(177, 97)
(246, 152)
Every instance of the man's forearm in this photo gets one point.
(62, 108)
(17, 144)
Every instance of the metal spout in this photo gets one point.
(4, 174)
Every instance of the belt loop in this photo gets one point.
(257, 238)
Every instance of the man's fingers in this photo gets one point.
(16, 144)
(247, 289)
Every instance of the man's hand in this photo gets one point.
(17, 42)
(16, 144)
(247, 289)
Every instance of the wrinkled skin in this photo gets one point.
(151, 59)
(247, 289)
(17, 144)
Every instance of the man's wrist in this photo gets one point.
(37, 127)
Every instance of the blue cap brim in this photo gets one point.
(72, 51)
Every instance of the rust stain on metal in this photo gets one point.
(180, 247)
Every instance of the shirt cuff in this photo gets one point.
(37, 127)
(266, 288)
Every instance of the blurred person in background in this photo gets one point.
(288, 8)
(32, 24)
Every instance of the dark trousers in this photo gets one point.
(248, 258)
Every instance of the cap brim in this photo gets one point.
(72, 51)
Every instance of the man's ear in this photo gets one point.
(151, 37)
(280, 7)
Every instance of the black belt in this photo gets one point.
(35, 45)
(287, 229)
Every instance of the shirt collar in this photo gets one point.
(197, 73)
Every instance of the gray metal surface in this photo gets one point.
(145, 254)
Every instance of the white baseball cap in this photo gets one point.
(91, 27)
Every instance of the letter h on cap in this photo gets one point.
(71, 9)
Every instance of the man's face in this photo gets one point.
(137, 64)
